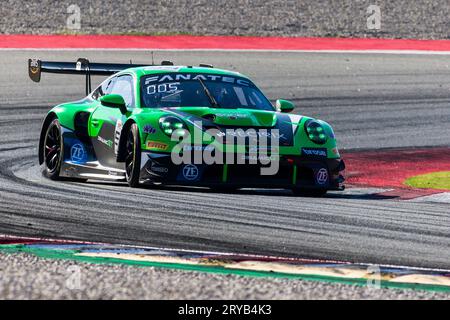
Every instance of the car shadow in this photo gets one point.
(249, 191)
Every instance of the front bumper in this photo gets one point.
(293, 172)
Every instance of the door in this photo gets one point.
(106, 123)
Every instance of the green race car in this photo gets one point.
(183, 125)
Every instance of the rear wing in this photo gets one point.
(82, 66)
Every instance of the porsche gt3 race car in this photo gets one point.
(183, 125)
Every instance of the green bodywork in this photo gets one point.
(100, 115)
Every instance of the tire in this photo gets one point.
(133, 156)
(53, 151)
(315, 193)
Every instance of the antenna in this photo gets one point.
(153, 61)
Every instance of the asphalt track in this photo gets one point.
(373, 101)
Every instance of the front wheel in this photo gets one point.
(52, 151)
(133, 156)
(316, 193)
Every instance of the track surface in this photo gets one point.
(373, 101)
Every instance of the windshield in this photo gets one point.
(201, 90)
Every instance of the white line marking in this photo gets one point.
(443, 197)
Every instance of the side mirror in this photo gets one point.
(114, 101)
(284, 105)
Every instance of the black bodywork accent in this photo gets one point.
(158, 168)
(81, 66)
(103, 151)
(81, 125)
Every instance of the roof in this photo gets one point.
(140, 71)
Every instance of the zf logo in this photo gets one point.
(322, 176)
(190, 172)
(77, 153)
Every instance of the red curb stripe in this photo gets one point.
(214, 42)
(390, 168)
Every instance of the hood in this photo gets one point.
(230, 117)
(222, 119)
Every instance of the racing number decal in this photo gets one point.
(163, 88)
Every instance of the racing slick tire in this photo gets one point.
(133, 156)
(316, 193)
(52, 151)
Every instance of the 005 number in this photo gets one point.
(163, 88)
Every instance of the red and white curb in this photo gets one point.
(233, 263)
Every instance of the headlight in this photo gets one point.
(172, 125)
(315, 132)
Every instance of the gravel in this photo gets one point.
(427, 19)
(25, 276)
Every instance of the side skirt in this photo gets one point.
(91, 170)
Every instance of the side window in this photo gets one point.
(123, 85)
(103, 89)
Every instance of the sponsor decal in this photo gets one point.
(260, 158)
(78, 153)
(190, 172)
(251, 134)
(232, 116)
(115, 173)
(322, 176)
(149, 129)
(156, 145)
(315, 152)
(198, 148)
(176, 77)
(159, 169)
(106, 142)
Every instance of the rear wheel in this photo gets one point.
(309, 192)
(52, 151)
(133, 156)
